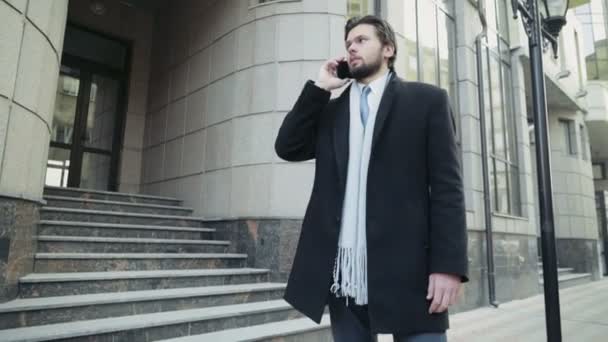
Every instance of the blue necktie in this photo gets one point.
(363, 104)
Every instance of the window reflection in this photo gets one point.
(501, 128)
(592, 16)
(65, 106)
(359, 8)
(411, 46)
(428, 41)
(429, 52)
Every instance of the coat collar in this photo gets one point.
(342, 121)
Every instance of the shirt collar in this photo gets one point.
(377, 85)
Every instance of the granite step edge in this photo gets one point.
(85, 256)
(259, 332)
(122, 226)
(119, 203)
(122, 275)
(66, 238)
(58, 302)
(118, 213)
(112, 193)
(142, 321)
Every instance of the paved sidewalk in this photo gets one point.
(584, 312)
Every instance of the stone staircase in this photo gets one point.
(123, 267)
(566, 277)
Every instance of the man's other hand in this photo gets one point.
(328, 78)
(443, 290)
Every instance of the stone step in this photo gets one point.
(84, 215)
(84, 244)
(115, 206)
(293, 330)
(37, 285)
(161, 325)
(99, 262)
(69, 228)
(50, 310)
(569, 280)
(110, 196)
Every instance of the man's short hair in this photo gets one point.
(383, 30)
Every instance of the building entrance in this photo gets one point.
(88, 120)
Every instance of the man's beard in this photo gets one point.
(366, 69)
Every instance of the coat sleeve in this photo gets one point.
(297, 136)
(448, 232)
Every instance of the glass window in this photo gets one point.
(510, 116)
(102, 113)
(428, 41)
(411, 40)
(446, 41)
(359, 8)
(429, 32)
(95, 171)
(65, 105)
(583, 140)
(498, 125)
(503, 18)
(501, 133)
(57, 167)
(515, 191)
(502, 188)
(487, 110)
(592, 16)
(569, 134)
(599, 171)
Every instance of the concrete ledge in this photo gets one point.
(118, 324)
(126, 204)
(32, 304)
(91, 191)
(114, 213)
(84, 256)
(259, 332)
(90, 276)
(123, 226)
(131, 240)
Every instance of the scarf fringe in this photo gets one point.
(350, 275)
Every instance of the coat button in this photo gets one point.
(338, 219)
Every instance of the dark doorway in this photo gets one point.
(88, 120)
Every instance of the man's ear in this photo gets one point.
(389, 51)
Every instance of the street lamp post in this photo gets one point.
(544, 24)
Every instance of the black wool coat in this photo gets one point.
(415, 202)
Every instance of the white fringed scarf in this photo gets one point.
(350, 269)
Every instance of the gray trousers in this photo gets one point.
(351, 324)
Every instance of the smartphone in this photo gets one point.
(343, 71)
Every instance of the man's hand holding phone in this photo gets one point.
(328, 75)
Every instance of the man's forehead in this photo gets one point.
(361, 29)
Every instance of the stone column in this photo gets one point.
(31, 41)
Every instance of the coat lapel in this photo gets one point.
(341, 135)
(342, 122)
(384, 108)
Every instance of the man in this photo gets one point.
(383, 241)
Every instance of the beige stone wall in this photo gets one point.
(223, 76)
(136, 26)
(31, 41)
(574, 201)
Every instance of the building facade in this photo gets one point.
(184, 99)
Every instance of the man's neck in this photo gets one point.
(369, 79)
